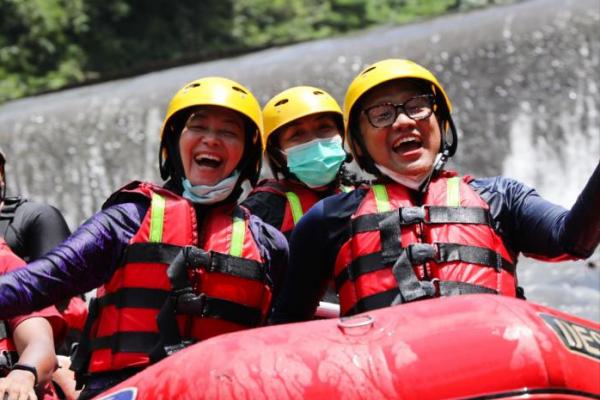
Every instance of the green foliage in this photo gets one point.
(37, 51)
(50, 44)
(127, 36)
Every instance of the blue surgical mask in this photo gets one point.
(205, 194)
(316, 163)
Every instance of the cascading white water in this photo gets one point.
(523, 80)
(559, 175)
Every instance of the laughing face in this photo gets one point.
(211, 144)
(407, 147)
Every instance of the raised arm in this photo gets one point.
(82, 262)
(539, 228)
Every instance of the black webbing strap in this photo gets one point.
(126, 342)
(411, 288)
(360, 266)
(458, 215)
(379, 300)
(169, 336)
(151, 253)
(81, 358)
(452, 288)
(445, 252)
(135, 298)
(213, 307)
(212, 261)
(389, 231)
(389, 224)
(448, 252)
(426, 215)
(182, 300)
(236, 266)
(369, 222)
(409, 285)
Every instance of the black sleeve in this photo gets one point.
(582, 223)
(314, 246)
(36, 229)
(539, 228)
(270, 207)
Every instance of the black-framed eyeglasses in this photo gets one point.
(416, 108)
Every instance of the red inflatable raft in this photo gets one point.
(474, 347)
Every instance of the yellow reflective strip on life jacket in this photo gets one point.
(157, 216)
(453, 192)
(381, 198)
(238, 231)
(295, 206)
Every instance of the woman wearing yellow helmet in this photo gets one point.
(178, 263)
(303, 137)
(421, 231)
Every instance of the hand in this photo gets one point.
(65, 378)
(18, 385)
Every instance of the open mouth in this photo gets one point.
(407, 144)
(208, 160)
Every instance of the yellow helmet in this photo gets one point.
(384, 71)
(295, 103)
(212, 91)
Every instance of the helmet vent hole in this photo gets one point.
(192, 85)
(239, 89)
(281, 102)
(317, 92)
(368, 70)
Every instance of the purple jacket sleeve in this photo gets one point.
(274, 249)
(82, 262)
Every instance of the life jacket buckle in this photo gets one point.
(189, 303)
(419, 253)
(196, 256)
(412, 215)
(431, 288)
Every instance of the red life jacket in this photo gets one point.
(299, 200)
(234, 287)
(400, 251)
(8, 352)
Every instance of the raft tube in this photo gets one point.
(468, 347)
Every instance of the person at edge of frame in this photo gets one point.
(31, 229)
(27, 346)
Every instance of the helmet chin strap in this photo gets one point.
(442, 157)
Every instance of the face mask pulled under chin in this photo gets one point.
(316, 163)
(206, 194)
(409, 182)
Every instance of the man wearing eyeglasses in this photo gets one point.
(421, 231)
